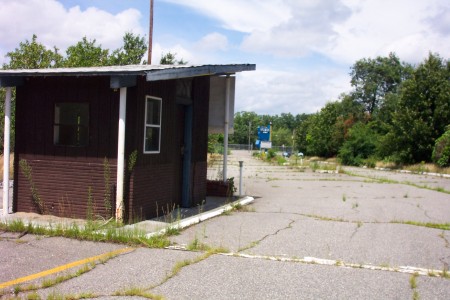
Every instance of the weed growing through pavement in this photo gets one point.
(95, 231)
(197, 245)
(138, 292)
(49, 282)
(344, 198)
(355, 205)
(27, 172)
(90, 206)
(444, 273)
(59, 296)
(391, 181)
(413, 284)
(413, 281)
(107, 194)
(443, 226)
(33, 296)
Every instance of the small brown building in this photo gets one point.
(129, 141)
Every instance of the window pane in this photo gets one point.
(71, 126)
(151, 139)
(153, 112)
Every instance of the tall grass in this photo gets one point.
(93, 231)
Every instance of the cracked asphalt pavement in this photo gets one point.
(361, 234)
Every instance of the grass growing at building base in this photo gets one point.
(93, 231)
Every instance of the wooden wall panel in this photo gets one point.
(64, 187)
(64, 174)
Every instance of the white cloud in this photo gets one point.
(273, 92)
(308, 29)
(379, 27)
(213, 42)
(343, 30)
(243, 16)
(55, 25)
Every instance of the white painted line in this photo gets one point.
(203, 216)
(339, 263)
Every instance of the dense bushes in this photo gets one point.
(441, 152)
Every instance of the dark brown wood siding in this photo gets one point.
(155, 182)
(200, 138)
(68, 178)
(63, 175)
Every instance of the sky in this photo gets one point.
(303, 49)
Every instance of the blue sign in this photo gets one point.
(264, 133)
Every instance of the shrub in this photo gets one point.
(271, 154)
(360, 145)
(441, 151)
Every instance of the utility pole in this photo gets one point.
(150, 35)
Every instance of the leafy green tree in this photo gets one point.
(29, 55)
(245, 123)
(170, 59)
(282, 136)
(360, 144)
(373, 79)
(321, 138)
(132, 52)
(301, 132)
(33, 55)
(423, 113)
(86, 54)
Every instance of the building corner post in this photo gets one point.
(6, 151)
(226, 127)
(121, 156)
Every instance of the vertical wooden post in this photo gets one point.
(121, 155)
(6, 151)
(225, 135)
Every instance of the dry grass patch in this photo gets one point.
(11, 166)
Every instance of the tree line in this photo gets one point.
(396, 112)
(31, 54)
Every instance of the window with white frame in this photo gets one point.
(152, 130)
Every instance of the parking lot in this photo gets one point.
(323, 234)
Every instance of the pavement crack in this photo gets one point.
(358, 225)
(442, 236)
(179, 266)
(255, 243)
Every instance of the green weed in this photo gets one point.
(138, 292)
(442, 226)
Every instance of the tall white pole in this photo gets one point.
(6, 151)
(225, 135)
(121, 154)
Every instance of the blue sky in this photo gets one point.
(303, 49)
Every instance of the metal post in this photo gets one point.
(225, 135)
(6, 151)
(121, 154)
(241, 164)
(249, 128)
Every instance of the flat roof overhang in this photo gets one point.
(151, 72)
